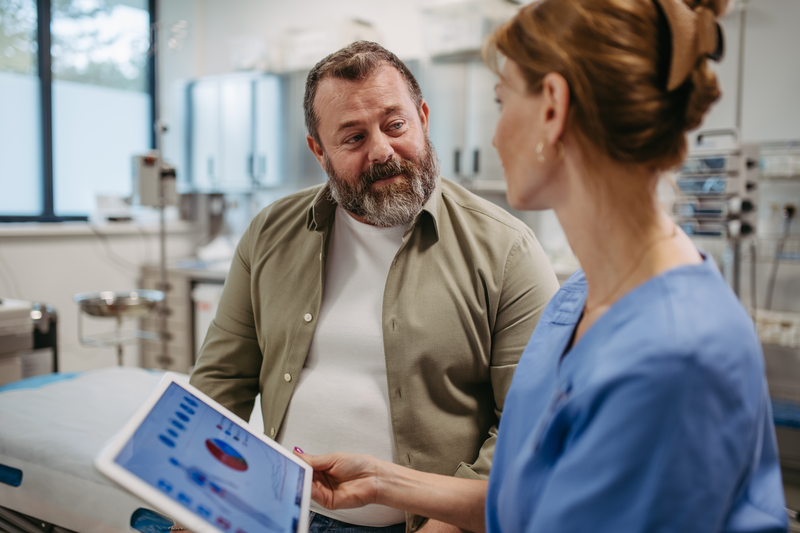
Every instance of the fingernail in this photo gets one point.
(298, 450)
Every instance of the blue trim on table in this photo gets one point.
(147, 521)
(38, 381)
(786, 413)
(10, 475)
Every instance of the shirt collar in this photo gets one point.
(321, 209)
(323, 206)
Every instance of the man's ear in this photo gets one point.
(555, 91)
(316, 149)
(423, 115)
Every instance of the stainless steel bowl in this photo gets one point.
(119, 304)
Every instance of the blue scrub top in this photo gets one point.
(658, 419)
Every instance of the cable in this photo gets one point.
(788, 215)
(118, 259)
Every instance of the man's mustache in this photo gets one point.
(390, 168)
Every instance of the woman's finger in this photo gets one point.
(317, 462)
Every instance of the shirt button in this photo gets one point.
(308, 317)
(271, 432)
(287, 377)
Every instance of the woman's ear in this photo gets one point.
(555, 93)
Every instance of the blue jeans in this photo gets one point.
(322, 524)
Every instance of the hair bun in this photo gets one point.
(616, 56)
(703, 87)
(718, 7)
(703, 91)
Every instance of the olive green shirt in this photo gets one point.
(461, 300)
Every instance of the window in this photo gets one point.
(20, 121)
(72, 113)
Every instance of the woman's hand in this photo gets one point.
(346, 480)
(343, 480)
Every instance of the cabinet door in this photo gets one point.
(483, 163)
(444, 87)
(301, 164)
(269, 168)
(236, 118)
(204, 135)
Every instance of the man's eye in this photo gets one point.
(354, 139)
(396, 126)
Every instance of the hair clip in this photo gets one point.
(694, 34)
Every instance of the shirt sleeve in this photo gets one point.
(528, 284)
(230, 360)
(626, 456)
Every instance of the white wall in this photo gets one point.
(771, 82)
(226, 23)
(771, 92)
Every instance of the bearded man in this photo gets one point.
(383, 312)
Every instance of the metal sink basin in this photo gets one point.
(119, 304)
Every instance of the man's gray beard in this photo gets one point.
(395, 204)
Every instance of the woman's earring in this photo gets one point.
(540, 151)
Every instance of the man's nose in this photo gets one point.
(380, 149)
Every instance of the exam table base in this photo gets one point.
(14, 522)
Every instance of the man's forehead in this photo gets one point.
(338, 101)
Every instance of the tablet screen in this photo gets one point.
(208, 464)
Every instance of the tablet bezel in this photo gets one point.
(106, 464)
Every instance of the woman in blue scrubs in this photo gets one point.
(640, 403)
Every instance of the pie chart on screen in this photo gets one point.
(226, 455)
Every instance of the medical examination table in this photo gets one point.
(51, 428)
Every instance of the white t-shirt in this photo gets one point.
(341, 401)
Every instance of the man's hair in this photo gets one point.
(355, 62)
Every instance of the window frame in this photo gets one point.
(45, 73)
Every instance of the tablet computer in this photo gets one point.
(207, 468)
